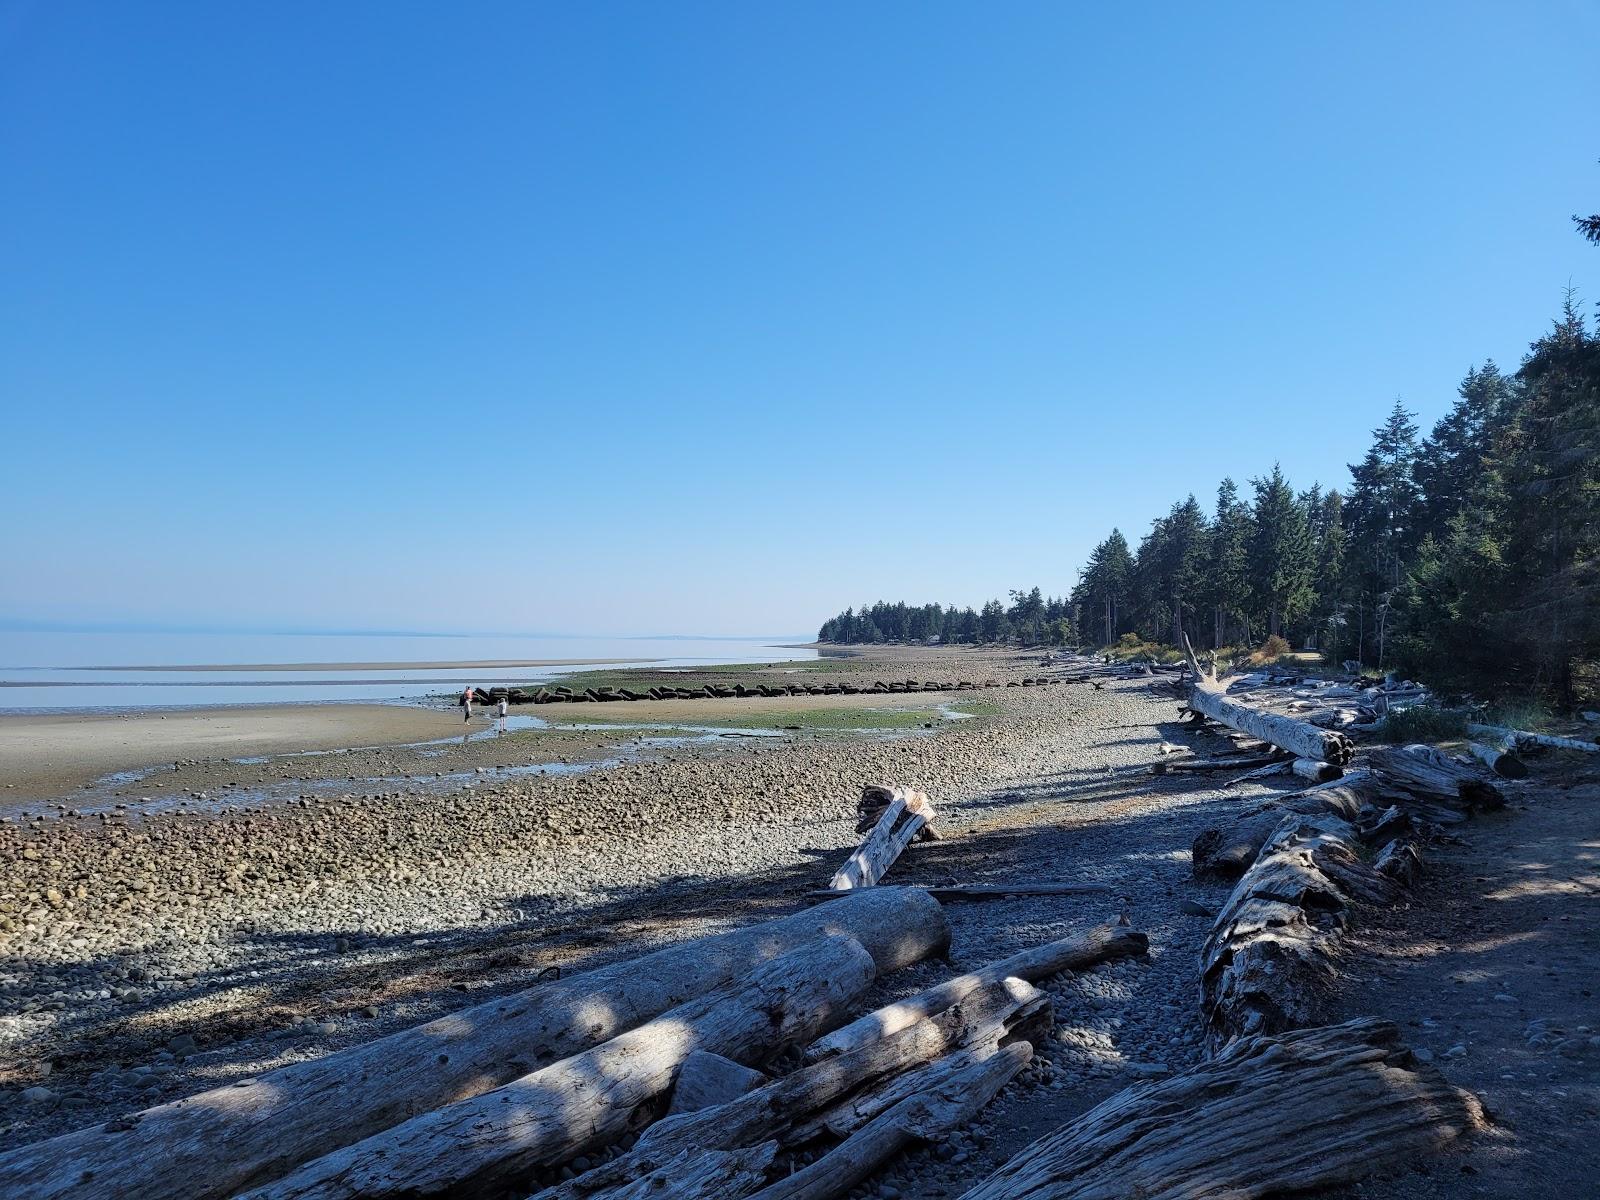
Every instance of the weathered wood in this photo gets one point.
(946, 893)
(785, 1109)
(1202, 765)
(1499, 760)
(901, 820)
(218, 1142)
(707, 1079)
(1268, 1117)
(1227, 853)
(1316, 771)
(701, 1175)
(1523, 738)
(1074, 953)
(945, 1104)
(1302, 739)
(996, 1016)
(1434, 776)
(591, 1098)
(1267, 964)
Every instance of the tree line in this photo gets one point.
(1469, 557)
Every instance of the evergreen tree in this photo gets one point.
(1280, 552)
(1229, 574)
(1450, 460)
(1380, 513)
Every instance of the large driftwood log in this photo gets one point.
(786, 1110)
(1209, 698)
(702, 1175)
(591, 1098)
(1435, 777)
(1271, 1115)
(1267, 964)
(218, 1142)
(905, 816)
(1523, 738)
(1039, 962)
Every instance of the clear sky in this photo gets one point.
(715, 318)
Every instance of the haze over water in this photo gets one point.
(44, 670)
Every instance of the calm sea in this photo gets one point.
(41, 671)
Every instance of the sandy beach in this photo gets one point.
(43, 757)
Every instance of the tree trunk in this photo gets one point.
(1271, 1115)
(1499, 760)
(1434, 776)
(1300, 738)
(219, 1142)
(594, 1097)
(1267, 964)
(1036, 963)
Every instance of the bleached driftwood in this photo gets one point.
(217, 1143)
(1499, 759)
(550, 1115)
(1523, 737)
(698, 1174)
(1038, 962)
(1435, 777)
(946, 1103)
(1315, 770)
(1267, 964)
(1200, 766)
(786, 1111)
(707, 1079)
(1209, 698)
(1269, 1116)
(906, 815)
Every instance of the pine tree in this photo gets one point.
(1229, 574)
(1380, 512)
(1280, 552)
(1450, 460)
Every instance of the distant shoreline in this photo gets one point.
(473, 665)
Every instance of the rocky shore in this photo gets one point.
(301, 904)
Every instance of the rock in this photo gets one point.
(183, 1045)
(1422, 1054)
(1195, 909)
(36, 1095)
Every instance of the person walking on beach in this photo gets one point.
(466, 704)
(500, 725)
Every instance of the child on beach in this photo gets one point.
(500, 725)
(466, 704)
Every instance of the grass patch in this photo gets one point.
(1531, 716)
(803, 719)
(977, 708)
(1131, 647)
(1423, 723)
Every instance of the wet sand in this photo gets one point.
(48, 755)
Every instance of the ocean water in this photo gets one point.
(42, 671)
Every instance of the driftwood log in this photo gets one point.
(963, 1086)
(1500, 759)
(216, 1143)
(591, 1098)
(1523, 738)
(1209, 698)
(801, 1105)
(1074, 953)
(906, 815)
(1268, 963)
(1434, 777)
(1269, 1116)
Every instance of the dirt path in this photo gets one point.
(1495, 971)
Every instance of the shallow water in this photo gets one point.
(78, 671)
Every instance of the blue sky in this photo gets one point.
(718, 317)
